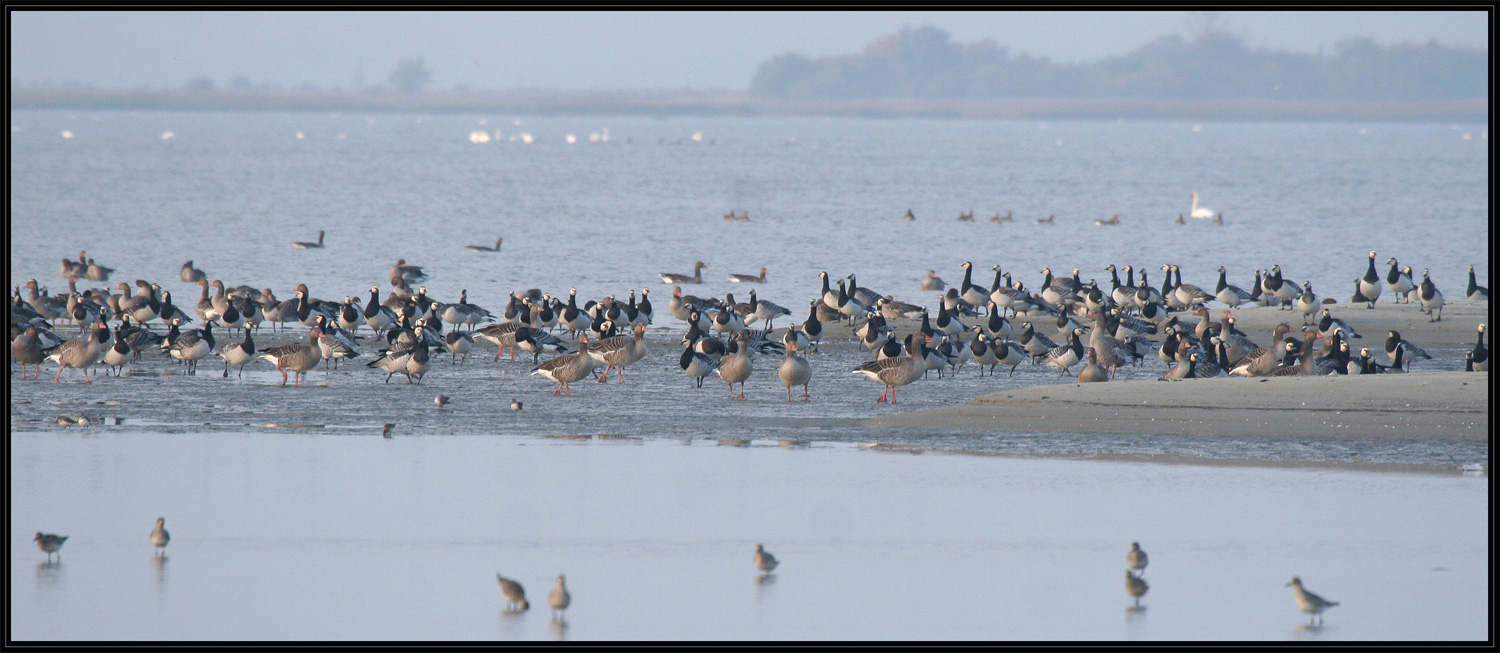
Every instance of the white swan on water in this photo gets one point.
(1200, 212)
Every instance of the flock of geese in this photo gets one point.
(1216, 219)
(1007, 324)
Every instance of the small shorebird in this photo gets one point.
(385, 431)
(159, 536)
(1136, 558)
(515, 405)
(50, 543)
(764, 561)
(1308, 602)
(440, 400)
(515, 595)
(559, 600)
(1136, 586)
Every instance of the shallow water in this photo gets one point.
(316, 536)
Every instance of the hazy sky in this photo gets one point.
(611, 50)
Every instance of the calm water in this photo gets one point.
(331, 533)
(325, 537)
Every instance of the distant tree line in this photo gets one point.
(924, 62)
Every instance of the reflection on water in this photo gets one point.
(159, 571)
(48, 573)
(559, 629)
(1309, 633)
(1135, 613)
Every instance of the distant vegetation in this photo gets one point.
(925, 63)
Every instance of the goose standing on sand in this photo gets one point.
(812, 327)
(28, 350)
(735, 367)
(898, 370)
(1308, 602)
(668, 277)
(972, 295)
(238, 353)
(749, 278)
(192, 346)
(307, 245)
(1369, 285)
(1199, 211)
(1394, 343)
(296, 357)
(794, 370)
(1476, 292)
(1286, 290)
(619, 351)
(1399, 281)
(79, 354)
(350, 317)
(118, 354)
(482, 248)
(1189, 294)
(696, 365)
(767, 311)
(458, 342)
(984, 352)
(567, 368)
(1065, 356)
(1307, 302)
(1432, 298)
(1231, 296)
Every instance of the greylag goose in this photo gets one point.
(96, 272)
(515, 595)
(669, 277)
(1369, 285)
(79, 354)
(794, 370)
(898, 370)
(1432, 298)
(966, 217)
(238, 353)
(296, 357)
(70, 269)
(307, 245)
(1308, 602)
(1476, 292)
(735, 367)
(764, 561)
(49, 544)
(1049, 220)
(407, 273)
(567, 368)
(482, 248)
(619, 351)
(50, 308)
(749, 278)
(159, 536)
(1183, 370)
(1267, 362)
(1092, 372)
(191, 274)
(28, 350)
(932, 281)
(559, 599)
(1399, 281)
(891, 309)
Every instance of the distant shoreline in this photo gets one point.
(1476, 110)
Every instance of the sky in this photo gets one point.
(579, 51)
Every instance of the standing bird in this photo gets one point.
(1369, 285)
(307, 245)
(1479, 357)
(736, 366)
(559, 600)
(1399, 281)
(794, 370)
(898, 370)
(1395, 343)
(697, 365)
(296, 357)
(1308, 602)
(567, 368)
(49, 544)
(515, 595)
(1136, 586)
(764, 561)
(1136, 558)
(159, 536)
(1476, 292)
(238, 353)
(1431, 297)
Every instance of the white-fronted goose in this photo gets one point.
(567, 368)
(1308, 602)
(482, 248)
(1183, 370)
(1432, 298)
(96, 272)
(898, 370)
(749, 278)
(697, 277)
(932, 281)
(1476, 292)
(296, 357)
(794, 370)
(307, 245)
(1092, 372)
(28, 350)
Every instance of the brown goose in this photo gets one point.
(80, 354)
(749, 278)
(28, 350)
(619, 351)
(296, 357)
(898, 370)
(794, 370)
(1092, 372)
(735, 367)
(566, 369)
(668, 277)
(482, 248)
